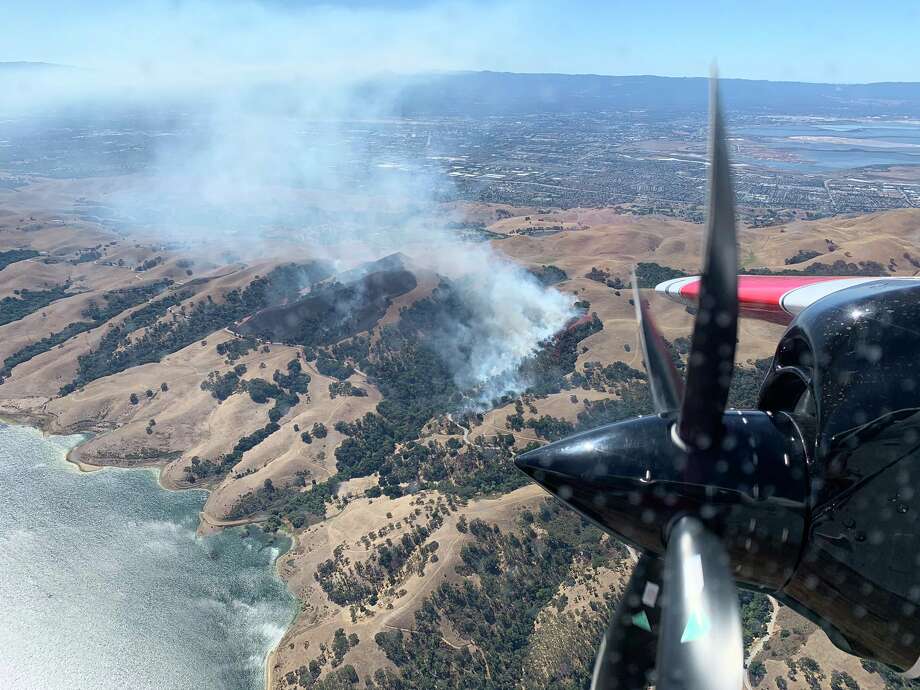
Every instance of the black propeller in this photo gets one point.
(626, 656)
(684, 484)
(700, 644)
(664, 381)
(682, 610)
(715, 330)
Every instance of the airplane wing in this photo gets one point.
(770, 298)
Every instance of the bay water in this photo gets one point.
(104, 583)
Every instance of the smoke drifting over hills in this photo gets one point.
(513, 314)
(268, 133)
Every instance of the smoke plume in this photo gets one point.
(257, 123)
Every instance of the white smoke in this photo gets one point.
(514, 314)
(273, 135)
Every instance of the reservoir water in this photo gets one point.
(104, 583)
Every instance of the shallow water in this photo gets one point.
(104, 584)
(900, 141)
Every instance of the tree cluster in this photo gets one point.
(13, 255)
(516, 577)
(119, 351)
(25, 302)
(337, 388)
(236, 348)
(113, 303)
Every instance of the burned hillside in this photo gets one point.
(332, 311)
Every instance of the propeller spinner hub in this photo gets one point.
(634, 481)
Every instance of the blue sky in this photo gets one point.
(842, 41)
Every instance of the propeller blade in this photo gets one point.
(665, 383)
(700, 645)
(715, 330)
(626, 656)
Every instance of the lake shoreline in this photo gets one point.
(39, 424)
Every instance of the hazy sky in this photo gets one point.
(840, 40)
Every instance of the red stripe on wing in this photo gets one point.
(759, 297)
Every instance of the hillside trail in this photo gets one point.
(466, 431)
(759, 642)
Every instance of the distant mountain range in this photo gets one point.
(31, 66)
(478, 94)
(482, 93)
